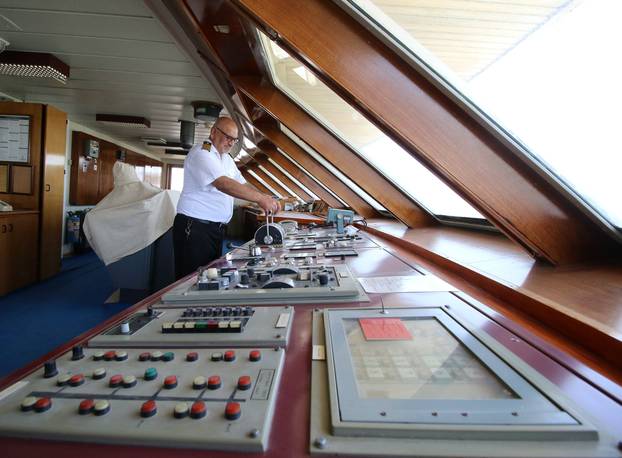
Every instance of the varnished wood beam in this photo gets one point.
(321, 140)
(430, 126)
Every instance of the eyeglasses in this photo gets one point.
(228, 137)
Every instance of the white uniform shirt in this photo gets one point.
(199, 198)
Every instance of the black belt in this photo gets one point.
(205, 221)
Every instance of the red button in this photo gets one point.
(146, 356)
(198, 410)
(170, 382)
(86, 406)
(148, 409)
(229, 355)
(213, 383)
(192, 356)
(43, 404)
(233, 411)
(110, 355)
(244, 382)
(115, 381)
(76, 380)
(254, 355)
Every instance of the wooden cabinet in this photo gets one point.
(19, 247)
(54, 145)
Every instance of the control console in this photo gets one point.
(284, 283)
(221, 398)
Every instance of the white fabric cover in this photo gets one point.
(131, 217)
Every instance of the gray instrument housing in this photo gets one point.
(124, 425)
(330, 435)
(344, 288)
(266, 327)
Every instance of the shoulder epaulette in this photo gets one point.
(207, 146)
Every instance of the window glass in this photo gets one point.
(545, 71)
(291, 177)
(353, 186)
(258, 178)
(279, 182)
(177, 178)
(313, 177)
(362, 136)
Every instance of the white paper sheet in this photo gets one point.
(401, 284)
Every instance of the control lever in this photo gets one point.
(231, 245)
(268, 238)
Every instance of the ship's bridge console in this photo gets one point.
(324, 344)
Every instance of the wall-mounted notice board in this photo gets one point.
(14, 138)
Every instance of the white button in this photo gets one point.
(28, 402)
(63, 379)
(212, 273)
(125, 328)
(156, 355)
(121, 354)
(181, 408)
(179, 325)
(223, 324)
(167, 325)
(98, 354)
(200, 380)
(100, 372)
(189, 325)
(101, 405)
(129, 379)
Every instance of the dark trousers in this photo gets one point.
(196, 243)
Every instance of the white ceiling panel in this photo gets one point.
(96, 25)
(89, 46)
(123, 61)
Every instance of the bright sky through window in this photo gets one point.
(553, 82)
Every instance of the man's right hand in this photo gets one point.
(269, 205)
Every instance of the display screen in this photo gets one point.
(429, 363)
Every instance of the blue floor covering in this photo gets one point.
(36, 319)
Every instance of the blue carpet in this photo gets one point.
(36, 319)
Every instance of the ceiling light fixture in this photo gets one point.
(33, 64)
(133, 121)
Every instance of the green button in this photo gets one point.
(151, 373)
(168, 356)
(200, 325)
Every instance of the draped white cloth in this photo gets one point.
(131, 217)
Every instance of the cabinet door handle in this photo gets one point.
(4, 228)
(48, 188)
(10, 227)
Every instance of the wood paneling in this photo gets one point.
(92, 179)
(300, 175)
(28, 201)
(54, 146)
(263, 161)
(18, 245)
(322, 141)
(430, 126)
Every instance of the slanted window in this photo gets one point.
(280, 183)
(382, 153)
(261, 180)
(312, 177)
(291, 177)
(340, 176)
(543, 73)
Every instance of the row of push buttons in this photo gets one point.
(217, 311)
(203, 326)
(233, 411)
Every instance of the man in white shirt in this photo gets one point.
(211, 181)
